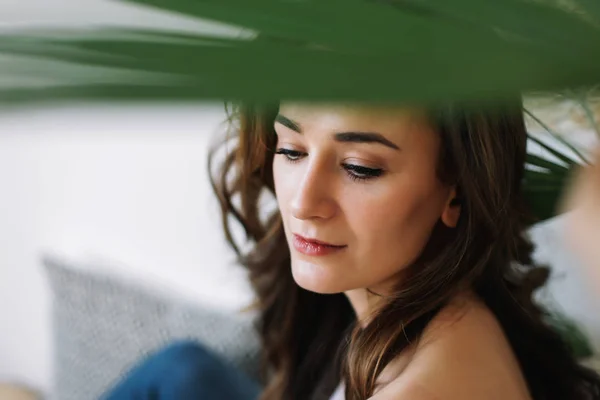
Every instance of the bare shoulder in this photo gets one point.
(463, 354)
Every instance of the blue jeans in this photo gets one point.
(184, 371)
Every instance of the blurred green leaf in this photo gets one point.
(559, 138)
(545, 181)
(591, 7)
(547, 165)
(571, 333)
(561, 156)
(402, 51)
(415, 51)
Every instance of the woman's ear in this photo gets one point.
(451, 212)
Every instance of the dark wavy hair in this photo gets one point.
(311, 341)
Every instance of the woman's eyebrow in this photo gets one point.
(365, 137)
(288, 123)
(345, 137)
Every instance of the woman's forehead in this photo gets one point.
(342, 117)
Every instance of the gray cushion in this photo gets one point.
(103, 325)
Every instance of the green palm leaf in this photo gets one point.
(544, 188)
(417, 51)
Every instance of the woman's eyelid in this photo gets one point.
(360, 170)
(363, 163)
(286, 143)
(359, 163)
(288, 149)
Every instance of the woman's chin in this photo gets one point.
(316, 278)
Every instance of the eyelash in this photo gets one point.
(355, 172)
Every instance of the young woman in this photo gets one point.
(394, 267)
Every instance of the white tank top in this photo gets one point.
(338, 394)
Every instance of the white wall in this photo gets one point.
(123, 184)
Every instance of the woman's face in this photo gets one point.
(358, 193)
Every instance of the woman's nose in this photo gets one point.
(314, 194)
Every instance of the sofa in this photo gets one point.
(103, 324)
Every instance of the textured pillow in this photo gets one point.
(103, 325)
(231, 336)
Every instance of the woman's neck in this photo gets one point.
(363, 302)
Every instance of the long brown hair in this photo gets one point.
(311, 341)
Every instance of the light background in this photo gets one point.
(128, 184)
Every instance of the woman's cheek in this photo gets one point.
(285, 179)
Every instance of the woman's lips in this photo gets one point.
(312, 247)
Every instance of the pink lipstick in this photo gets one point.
(313, 247)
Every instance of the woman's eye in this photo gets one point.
(355, 172)
(290, 155)
(360, 173)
